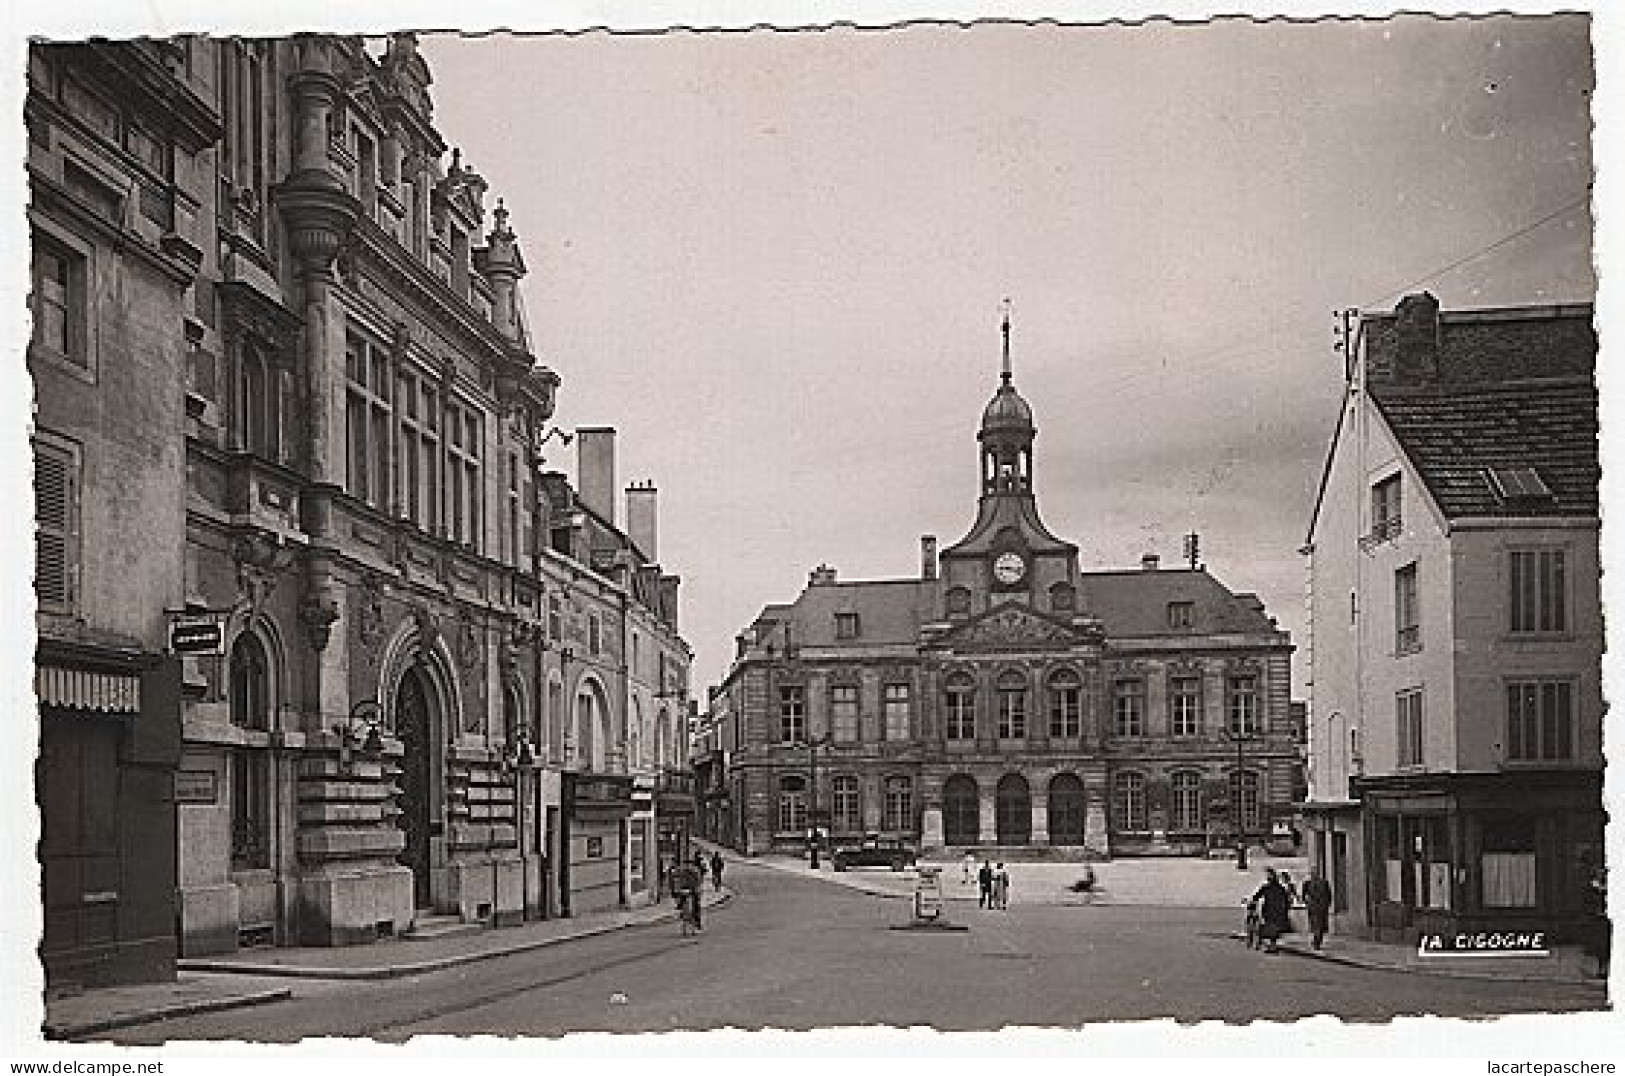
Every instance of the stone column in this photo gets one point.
(1040, 811)
(987, 809)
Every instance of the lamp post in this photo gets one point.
(1240, 735)
(517, 760)
(812, 800)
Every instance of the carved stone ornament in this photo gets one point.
(261, 560)
(428, 630)
(1013, 627)
(468, 645)
(369, 599)
(318, 614)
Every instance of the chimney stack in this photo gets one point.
(1417, 338)
(928, 556)
(595, 470)
(642, 520)
(1150, 562)
(821, 576)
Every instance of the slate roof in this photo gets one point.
(1455, 435)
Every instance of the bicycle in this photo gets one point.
(688, 911)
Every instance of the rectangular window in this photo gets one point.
(1540, 721)
(1013, 713)
(1128, 708)
(368, 414)
(899, 805)
(56, 527)
(848, 807)
(1539, 591)
(1408, 725)
(846, 625)
(59, 306)
(1507, 862)
(1181, 615)
(250, 810)
(1385, 513)
(1185, 705)
(961, 714)
(896, 706)
(843, 712)
(792, 714)
(1241, 705)
(463, 442)
(1065, 712)
(1407, 626)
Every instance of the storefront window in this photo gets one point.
(1508, 863)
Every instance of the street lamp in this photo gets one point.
(812, 747)
(1240, 736)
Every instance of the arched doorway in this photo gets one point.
(413, 727)
(961, 811)
(1013, 810)
(1065, 809)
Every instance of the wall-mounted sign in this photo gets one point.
(595, 847)
(203, 634)
(196, 786)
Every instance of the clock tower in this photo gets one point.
(1008, 554)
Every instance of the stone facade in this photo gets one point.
(427, 634)
(1004, 698)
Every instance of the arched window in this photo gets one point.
(250, 774)
(1128, 802)
(960, 705)
(961, 810)
(1013, 810)
(958, 601)
(1065, 706)
(256, 403)
(899, 812)
(1062, 598)
(1187, 800)
(848, 809)
(587, 745)
(555, 716)
(1066, 809)
(792, 804)
(1012, 687)
(250, 683)
(1244, 793)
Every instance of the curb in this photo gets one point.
(424, 967)
(63, 1032)
(1411, 969)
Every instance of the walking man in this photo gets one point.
(1001, 887)
(1317, 897)
(716, 869)
(1273, 910)
(984, 882)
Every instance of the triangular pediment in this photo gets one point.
(1012, 626)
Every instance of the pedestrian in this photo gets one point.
(1001, 886)
(1317, 897)
(1291, 890)
(984, 883)
(1273, 908)
(685, 889)
(716, 870)
(967, 868)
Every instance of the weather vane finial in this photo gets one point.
(1004, 328)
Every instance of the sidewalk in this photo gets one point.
(1566, 964)
(254, 976)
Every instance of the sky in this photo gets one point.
(774, 261)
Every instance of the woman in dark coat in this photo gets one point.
(1274, 909)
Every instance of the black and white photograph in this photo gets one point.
(949, 525)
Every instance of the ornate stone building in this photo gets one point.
(1004, 697)
(444, 680)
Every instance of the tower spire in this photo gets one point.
(1004, 329)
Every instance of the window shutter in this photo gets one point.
(56, 496)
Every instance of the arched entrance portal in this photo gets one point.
(412, 726)
(1014, 810)
(960, 811)
(1066, 809)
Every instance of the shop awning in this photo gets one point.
(80, 689)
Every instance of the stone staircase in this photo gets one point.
(428, 927)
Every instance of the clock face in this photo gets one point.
(1009, 568)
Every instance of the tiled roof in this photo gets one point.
(1455, 434)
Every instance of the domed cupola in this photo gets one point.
(1007, 434)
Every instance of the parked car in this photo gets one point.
(874, 851)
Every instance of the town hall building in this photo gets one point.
(1004, 696)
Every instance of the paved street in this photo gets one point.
(798, 953)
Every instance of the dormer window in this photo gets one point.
(1385, 511)
(1181, 615)
(847, 626)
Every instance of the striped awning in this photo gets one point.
(77, 689)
